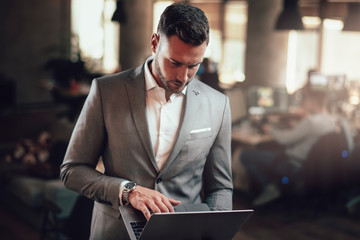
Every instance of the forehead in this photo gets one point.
(174, 48)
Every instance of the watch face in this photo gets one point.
(130, 185)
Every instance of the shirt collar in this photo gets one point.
(150, 81)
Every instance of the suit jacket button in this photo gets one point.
(159, 180)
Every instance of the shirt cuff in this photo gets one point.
(121, 191)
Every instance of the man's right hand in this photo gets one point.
(145, 199)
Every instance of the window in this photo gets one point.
(336, 52)
(233, 62)
(341, 51)
(95, 38)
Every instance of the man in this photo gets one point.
(163, 136)
(210, 75)
(297, 141)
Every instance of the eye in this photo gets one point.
(193, 66)
(175, 64)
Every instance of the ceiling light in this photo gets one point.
(290, 17)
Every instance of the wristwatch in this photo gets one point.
(128, 188)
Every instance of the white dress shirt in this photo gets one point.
(163, 117)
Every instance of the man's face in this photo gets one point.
(175, 62)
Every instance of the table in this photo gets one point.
(249, 137)
(244, 137)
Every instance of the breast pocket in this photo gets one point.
(201, 133)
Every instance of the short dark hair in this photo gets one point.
(189, 23)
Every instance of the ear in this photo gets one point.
(155, 42)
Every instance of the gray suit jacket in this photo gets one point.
(113, 125)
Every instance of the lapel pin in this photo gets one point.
(196, 92)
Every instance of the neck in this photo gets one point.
(158, 80)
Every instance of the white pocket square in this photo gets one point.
(201, 130)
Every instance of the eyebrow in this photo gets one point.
(178, 62)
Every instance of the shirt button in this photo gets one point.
(159, 180)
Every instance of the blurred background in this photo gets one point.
(265, 55)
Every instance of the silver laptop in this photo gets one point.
(187, 222)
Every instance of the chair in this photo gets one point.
(58, 203)
(353, 182)
(324, 168)
(64, 222)
(322, 174)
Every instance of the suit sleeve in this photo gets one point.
(85, 147)
(218, 186)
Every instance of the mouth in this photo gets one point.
(178, 84)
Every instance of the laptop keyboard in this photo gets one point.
(138, 228)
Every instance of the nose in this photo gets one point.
(183, 74)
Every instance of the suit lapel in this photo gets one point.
(137, 99)
(191, 108)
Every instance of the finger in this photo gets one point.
(174, 202)
(145, 212)
(143, 207)
(164, 206)
(170, 203)
(154, 208)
